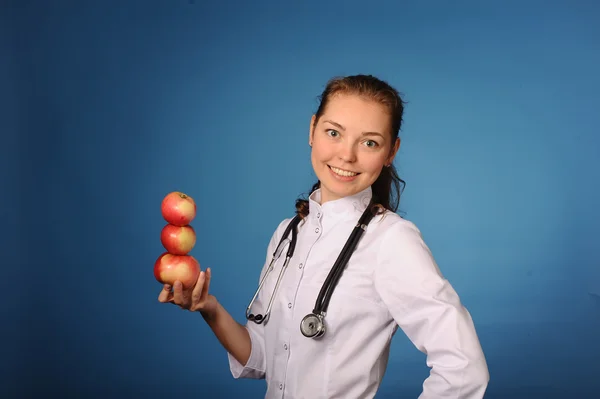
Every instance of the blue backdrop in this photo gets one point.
(110, 105)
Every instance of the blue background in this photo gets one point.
(107, 106)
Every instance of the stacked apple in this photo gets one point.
(178, 238)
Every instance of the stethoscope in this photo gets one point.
(313, 324)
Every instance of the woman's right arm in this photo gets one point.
(243, 343)
(232, 335)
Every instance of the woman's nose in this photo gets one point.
(348, 153)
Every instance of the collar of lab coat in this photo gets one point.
(342, 207)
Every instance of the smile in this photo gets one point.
(342, 172)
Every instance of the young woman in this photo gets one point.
(390, 279)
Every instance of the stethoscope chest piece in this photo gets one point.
(312, 326)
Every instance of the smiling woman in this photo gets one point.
(354, 139)
(321, 322)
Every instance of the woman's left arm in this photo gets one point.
(429, 311)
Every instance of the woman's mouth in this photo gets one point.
(343, 173)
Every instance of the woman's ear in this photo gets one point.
(394, 151)
(311, 130)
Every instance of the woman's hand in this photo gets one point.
(195, 298)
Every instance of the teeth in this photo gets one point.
(343, 172)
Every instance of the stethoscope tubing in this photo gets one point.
(332, 279)
(322, 302)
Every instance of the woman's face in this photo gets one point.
(351, 143)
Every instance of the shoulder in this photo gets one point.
(279, 230)
(391, 226)
(283, 224)
(401, 246)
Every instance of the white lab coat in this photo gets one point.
(391, 280)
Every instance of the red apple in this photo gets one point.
(178, 240)
(169, 268)
(178, 208)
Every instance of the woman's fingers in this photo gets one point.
(206, 285)
(198, 289)
(179, 295)
(165, 294)
(185, 299)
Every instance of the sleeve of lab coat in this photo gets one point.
(256, 365)
(427, 308)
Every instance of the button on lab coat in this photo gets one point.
(391, 281)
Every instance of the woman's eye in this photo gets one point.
(371, 143)
(332, 133)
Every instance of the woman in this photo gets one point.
(390, 280)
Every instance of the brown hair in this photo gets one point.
(388, 186)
